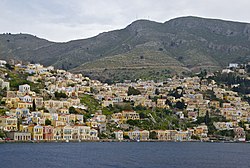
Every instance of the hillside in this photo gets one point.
(144, 49)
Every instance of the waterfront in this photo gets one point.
(124, 154)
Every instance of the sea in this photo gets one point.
(125, 155)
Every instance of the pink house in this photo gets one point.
(48, 132)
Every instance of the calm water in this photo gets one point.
(123, 155)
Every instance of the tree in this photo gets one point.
(143, 115)
(168, 102)
(9, 66)
(126, 137)
(153, 135)
(34, 105)
(157, 92)
(195, 137)
(47, 122)
(180, 105)
(59, 95)
(206, 118)
(72, 110)
(247, 136)
(177, 93)
(133, 122)
(2, 112)
(133, 91)
(2, 135)
(139, 108)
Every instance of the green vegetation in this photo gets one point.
(47, 122)
(152, 135)
(133, 91)
(59, 95)
(2, 134)
(2, 112)
(72, 110)
(126, 137)
(233, 78)
(17, 79)
(92, 104)
(180, 105)
(248, 135)
(106, 111)
(195, 137)
(209, 120)
(225, 133)
(157, 118)
(33, 105)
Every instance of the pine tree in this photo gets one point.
(34, 105)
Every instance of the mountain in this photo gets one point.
(144, 49)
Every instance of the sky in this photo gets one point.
(65, 20)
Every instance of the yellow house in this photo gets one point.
(63, 111)
(68, 132)
(84, 132)
(63, 118)
(66, 104)
(147, 103)
(24, 105)
(226, 105)
(11, 102)
(79, 119)
(117, 117)
(160, 134)
(71, 118)
(130, 115)
(92, 124)
(47, 116)
(138, 135)
(107, 103)
(201, 131)
(85, 89)
(215, 104)
(8, 123)
(74, 102)
(53, 104)
(36, 132)
(167, 135)
(58, 132)
(203, 111)
(56, 123)
(161, 103)
(24, 128)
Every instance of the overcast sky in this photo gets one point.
(64, 20)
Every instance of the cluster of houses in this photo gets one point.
(28, 111)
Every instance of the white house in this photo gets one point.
(2, 63)
(26, 98)
(118, 135)
(24, 88)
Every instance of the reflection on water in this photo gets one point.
(122, 155)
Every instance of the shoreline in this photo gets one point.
(113, 140)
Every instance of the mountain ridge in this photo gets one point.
(179, 45)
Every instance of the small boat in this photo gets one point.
(67, 140)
